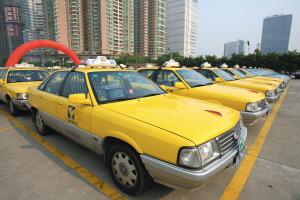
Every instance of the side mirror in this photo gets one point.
(235, 76)
(179, 85)
(163, 87)
(1, 81)
(218, 80)
(248, 75)
(79, 99)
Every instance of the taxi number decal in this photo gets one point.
(71, 112)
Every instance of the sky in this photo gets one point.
(222, 21)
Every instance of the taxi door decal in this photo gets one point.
(71, 112)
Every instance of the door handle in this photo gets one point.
(59, 103)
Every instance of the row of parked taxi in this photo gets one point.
(175, 126)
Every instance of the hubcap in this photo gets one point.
(39, 121)
(124, 169)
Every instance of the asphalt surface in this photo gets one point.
(29, 170)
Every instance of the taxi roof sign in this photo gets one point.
(236, 66)
(244, 67)
(206, 65)
(224, 65)
(24, 65)
(171, 63)
(100, 61)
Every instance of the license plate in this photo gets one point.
(240, 157)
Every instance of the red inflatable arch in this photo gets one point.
(24, 48)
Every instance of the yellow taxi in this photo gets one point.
(51, 70)
(240, 76)
(143, 133)
(14, 82)
(223, 78)
(188, 83)
(251, 74)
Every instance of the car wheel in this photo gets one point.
(127, 170)
(14, 111)
(41, 127)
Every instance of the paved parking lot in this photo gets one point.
(53, 167)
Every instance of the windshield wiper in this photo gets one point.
(153, 94)
(122, 99)
(209, 83)
(199, 85)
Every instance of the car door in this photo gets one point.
(46, 100)
(168, 78)
(75, 118)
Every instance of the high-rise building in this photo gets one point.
(234, 47)
(182, 26)
(276, 33)
(11, 26)
(96, 26)
(150, 28)
(34, 24)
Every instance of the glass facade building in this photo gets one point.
(276, 33)
(182, 17)
(234, 47)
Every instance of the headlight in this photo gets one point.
(241, 120)
(21, 96)
(253, 107)
(270, 93)
(200, 156)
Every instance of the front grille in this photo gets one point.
(229, 140)
(262, 104)
(281, 86)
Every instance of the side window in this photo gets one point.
(148, 73)
(3, 75)
(55, 82)
(229, 72)
(167, 78)
(42, 86)
(75, 84)
(208, 74)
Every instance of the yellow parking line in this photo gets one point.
(263, 118)
(239, 179)
(4, 129)
(97, 182)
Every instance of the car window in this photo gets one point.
(148, 73)
(42, 86)
(229, 72)
(224, 75)
(26, 76)
(167, 78)
(75, 84)
(210, 75)
(121, 85)
(239, 73)
(193, 78)
(55, 82)
(3, 75)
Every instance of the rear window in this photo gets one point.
(26, 76)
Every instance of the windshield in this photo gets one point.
(193, 78)
(224, 75)
(258, 72)
(238, 73)
(26, 76)
(251, 72)
(121, 85)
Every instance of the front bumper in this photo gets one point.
(249, 118)
(188, 179)
(273, 98)
(20, 104)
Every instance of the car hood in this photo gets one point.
(251, 85)
(21, 87)
(178, 115)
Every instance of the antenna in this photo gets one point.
(170, 51)
(258, 45)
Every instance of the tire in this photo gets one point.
(40, 126)
(14, 111)
(127, 170)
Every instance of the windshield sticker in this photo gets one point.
(28, 78)
(131, 91)
(120, 74)
(95, 75)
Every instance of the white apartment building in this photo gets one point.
(182, 26)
